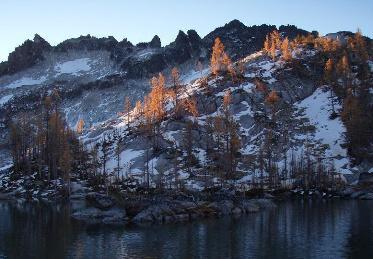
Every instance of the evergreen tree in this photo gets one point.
(127, 110)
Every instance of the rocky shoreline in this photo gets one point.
(103, 209)
(150, 208)
(98, 208)
(164, 211)
(141, 206)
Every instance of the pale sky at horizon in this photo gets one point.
(140, 20)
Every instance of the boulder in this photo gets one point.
(89, 213)
(236, 211)
(114, 217)
(366, 196)
(187, 205)
(168, 219)
(94, 215)
(143, 216)
(153, 213)
(225, 207)
(317, 194)
(100, 201)
(181, 217)
(357, 194)
(366, 178)
(268, 196)
(264, 203)
(194, 216)
(175, 125)
(237, 97)
(249, 206)
(347, 192)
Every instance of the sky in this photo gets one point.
(140, 20)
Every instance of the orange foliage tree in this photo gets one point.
(220, 61)
(80, 126)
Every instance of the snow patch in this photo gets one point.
(253, 56)
(145, 54)
(201, 155)
(247, 111)
(26, 81)
(194, 75)
(6, 167)
(317, 108)
(5, 99)
(126, 160)
(248, 87)
(74, 67)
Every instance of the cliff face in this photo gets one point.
(28, 54)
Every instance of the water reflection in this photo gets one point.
(296, 229)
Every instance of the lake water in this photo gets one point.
(296, 229)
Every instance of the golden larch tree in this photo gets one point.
(328, 70)
(190, 106)
(272, 98)
(138, 109)
(175, 78)
(80, 126)
(286, 53)
(343, 68)
(219, 59)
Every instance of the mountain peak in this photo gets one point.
(37, 38)
(181, 36)
(235, 24)
(155, 42)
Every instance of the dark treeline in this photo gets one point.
(42, 142)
